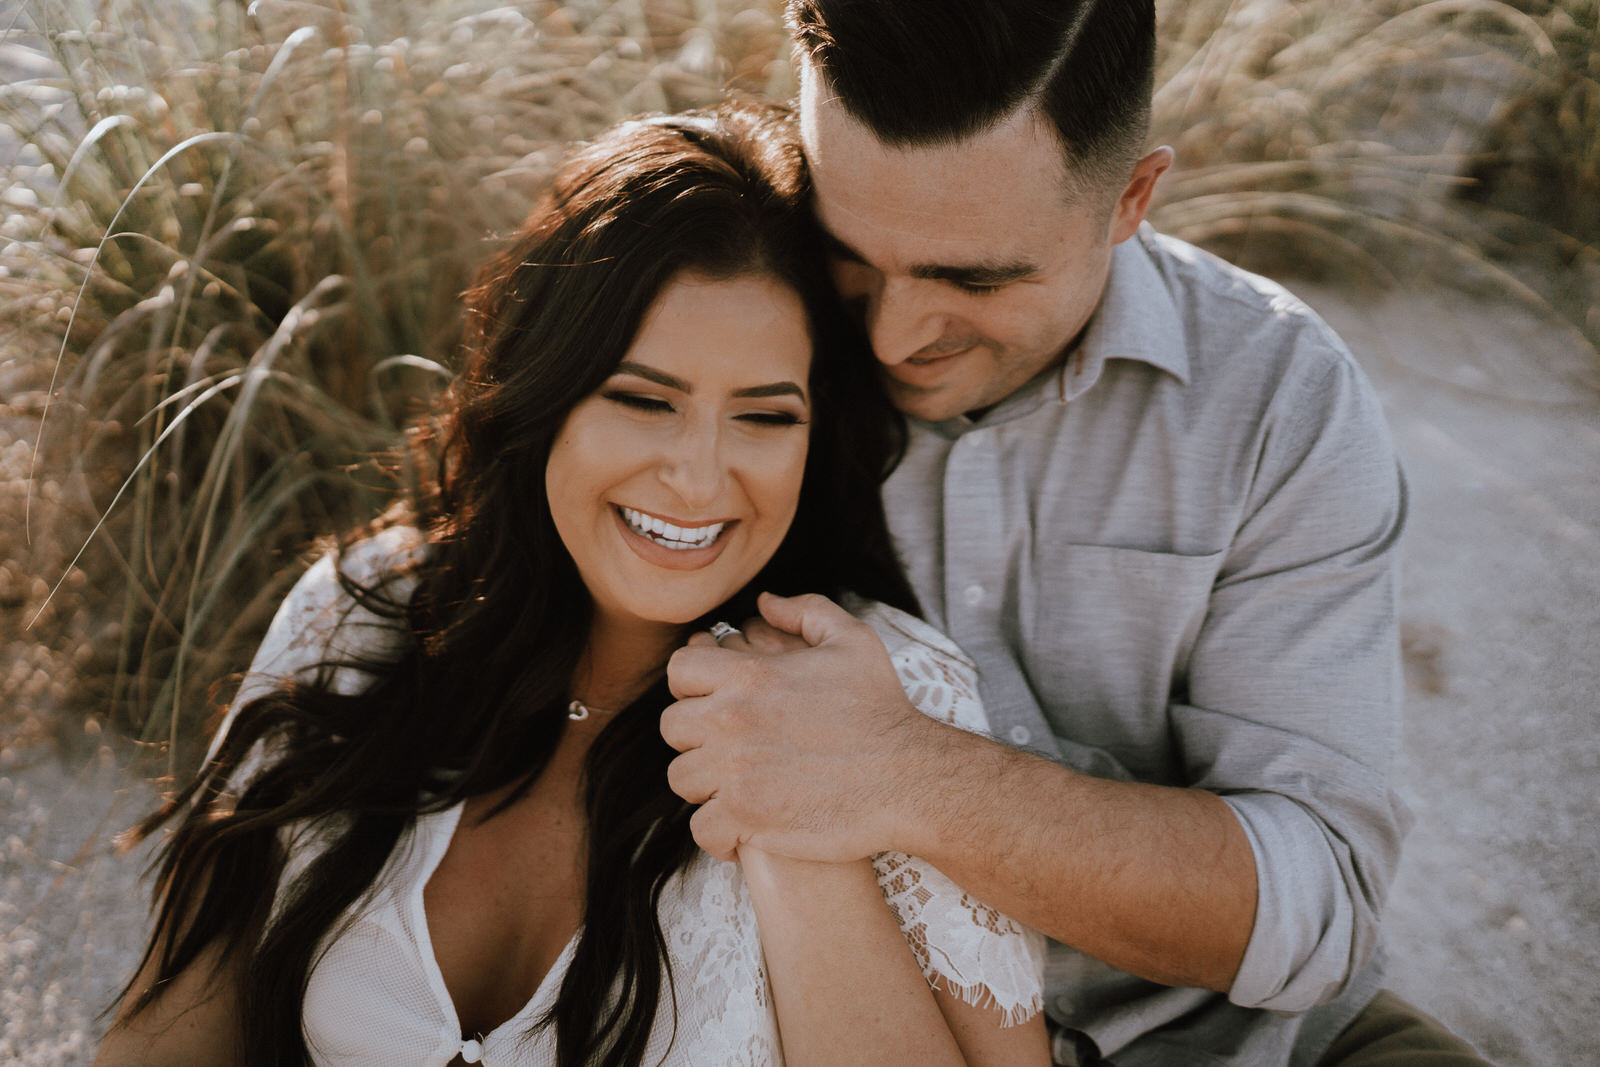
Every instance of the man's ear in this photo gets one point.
(1135, 199)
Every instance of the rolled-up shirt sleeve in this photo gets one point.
(1290, 708)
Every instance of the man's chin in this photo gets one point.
(908, 399)
(928, 405)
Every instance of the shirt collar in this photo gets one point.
(1136, 319)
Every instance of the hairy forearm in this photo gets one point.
(1154, 880)
(846, 986)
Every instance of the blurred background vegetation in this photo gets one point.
(232, 239)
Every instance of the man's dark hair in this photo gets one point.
(919, 72)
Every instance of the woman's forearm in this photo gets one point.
(846, 986)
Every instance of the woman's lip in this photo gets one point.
(682, 524)
(672, 559)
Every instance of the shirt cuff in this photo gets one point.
(1302, 944)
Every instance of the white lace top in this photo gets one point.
(376, 995)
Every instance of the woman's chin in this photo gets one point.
(675, 614)
(691, 614)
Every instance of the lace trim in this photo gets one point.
(962, 944)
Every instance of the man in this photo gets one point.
(1151, 496)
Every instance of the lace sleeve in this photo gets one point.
(961, 943)
(319, 622)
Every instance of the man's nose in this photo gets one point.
(900, 317)
(693, 467)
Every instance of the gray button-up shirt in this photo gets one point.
(1173, 559)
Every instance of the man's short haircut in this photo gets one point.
(929, 72)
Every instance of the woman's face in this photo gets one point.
(674, 483)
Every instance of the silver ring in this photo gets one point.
(719, 630)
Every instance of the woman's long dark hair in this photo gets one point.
(499, 615)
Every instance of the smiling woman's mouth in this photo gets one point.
(665, 534)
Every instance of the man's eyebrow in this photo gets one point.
(981, 274)
(661, 377)
(975, 274)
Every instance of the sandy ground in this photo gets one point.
(1495, 921)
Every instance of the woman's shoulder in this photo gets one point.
(900, 631)
(385, 562)
(344, 611)
(940, 679)
(345, 608)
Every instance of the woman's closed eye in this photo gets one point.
(654, 405)
(771, 418)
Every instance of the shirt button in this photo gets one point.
(471, 1051)
(973, 595)
(1019, 735)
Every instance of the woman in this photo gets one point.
(442, 831)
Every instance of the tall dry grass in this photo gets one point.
(237, 239)
(1378, 140)
(232, 240)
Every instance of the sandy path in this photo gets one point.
(72, 913)
(1495, 922)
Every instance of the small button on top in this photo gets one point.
(973, 595)
(471, 1051)
(1020, 735)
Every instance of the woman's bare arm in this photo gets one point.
(846, 985)
(195, 1021)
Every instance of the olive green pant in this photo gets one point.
(1391, 1033)
(1388, 1033)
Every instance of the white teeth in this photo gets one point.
(669, 536)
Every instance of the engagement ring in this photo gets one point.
(719, 630)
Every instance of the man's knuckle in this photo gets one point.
(698, 825)
(756, 674)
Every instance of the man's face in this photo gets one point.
(971, 266)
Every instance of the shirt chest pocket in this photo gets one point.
(1109, 633)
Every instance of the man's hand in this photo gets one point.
(800, 749)
(816, 753)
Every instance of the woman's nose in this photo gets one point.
(693, 468)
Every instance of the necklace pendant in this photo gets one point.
(577, 711)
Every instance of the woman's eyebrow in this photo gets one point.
(661, 377)
(650, 374)
(775, 389)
